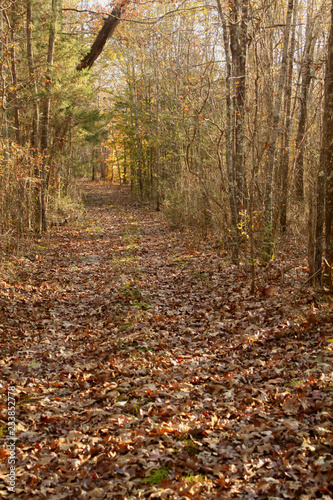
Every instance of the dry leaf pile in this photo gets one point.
(144, 368)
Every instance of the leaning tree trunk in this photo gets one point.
(106, 32)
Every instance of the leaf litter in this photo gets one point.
(143, 367)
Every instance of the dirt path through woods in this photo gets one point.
(143, 368)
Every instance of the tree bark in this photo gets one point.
(238, 45)
(11, 25)
(34, 138)
(31, 67)
(306, 80)
(106, 32)
(231, 174)
(44, 135)
(287, 128)
(137, 134)
(311, 234)
(268, 202)
(326, 160)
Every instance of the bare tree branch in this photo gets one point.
(86, 11)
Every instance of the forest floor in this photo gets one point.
(142, 367)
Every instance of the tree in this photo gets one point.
(285, 153)
(272, 139)
(45, 121)
(229, 156)
(106, 32)
(40, 98)
(306, 77)
(326, 170)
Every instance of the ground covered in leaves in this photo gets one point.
(143, 367)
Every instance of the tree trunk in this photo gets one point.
(268, 202)
(306, 80)
(106, 32)
(157, 128)
(11, 26)
(137, 134)
(44, 135)
(31, 66)
(326, 160)
(231, 176)
(311, 234)
(287, 129)
(34, 140)
(3, 93)
(238, 45)
(125, 162)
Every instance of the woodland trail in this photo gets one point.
(143, 368)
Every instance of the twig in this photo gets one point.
(8, 232)
(310, 278)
